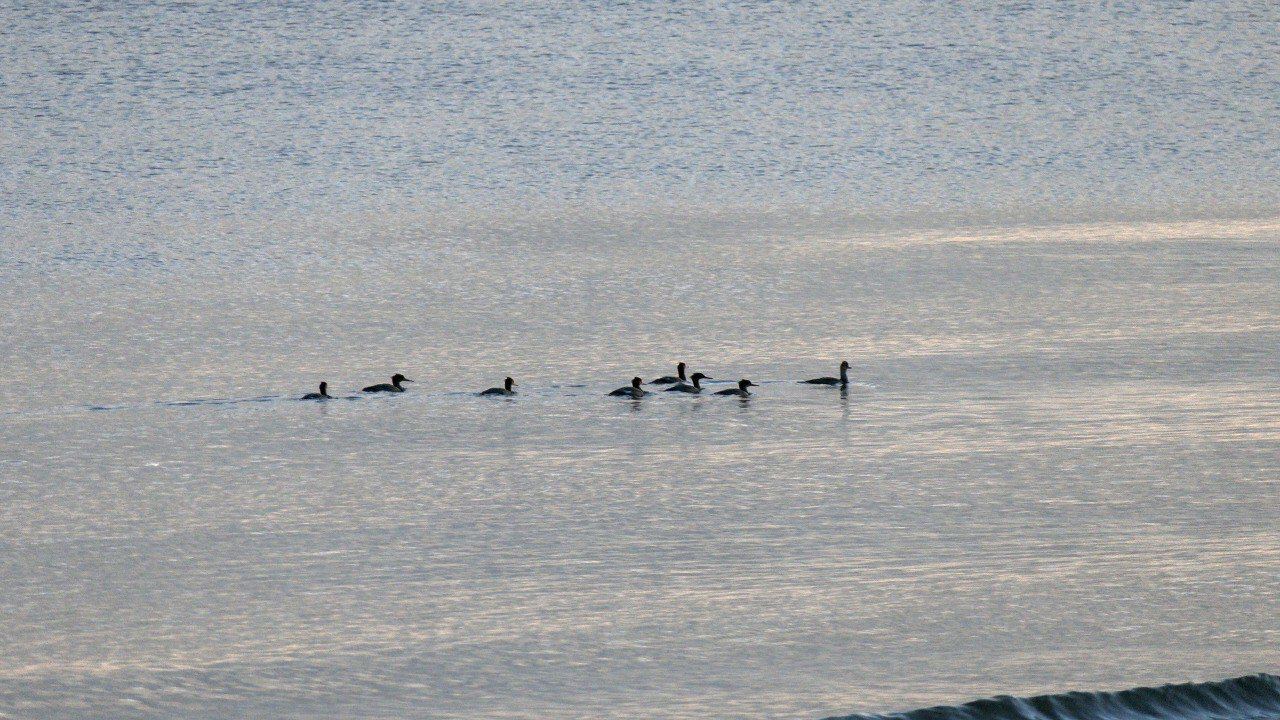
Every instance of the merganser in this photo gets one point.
(693, 389)
(322, 395)
(633, 390)
(842, 380)
(670, 380)
(504, 390)
(740, 391)
(394, 386)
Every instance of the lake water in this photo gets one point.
(1043, 235)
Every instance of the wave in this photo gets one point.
(1253, 697)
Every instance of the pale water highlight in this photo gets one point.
(1054, 466)
(154, 112)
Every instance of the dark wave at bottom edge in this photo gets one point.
(1252, 697)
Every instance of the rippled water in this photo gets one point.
(137, 111)
(1055, 468)
(1254, 696)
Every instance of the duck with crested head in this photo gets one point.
(632, 391)
(504, 390)
(693, 389)
(740, 391)
(393, 387)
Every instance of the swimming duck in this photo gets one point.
(633, 390)
(693, 389)
(504, 390)
(740, 391)
(322, 395)
(842, 380)
(669, 379)
(393, 386)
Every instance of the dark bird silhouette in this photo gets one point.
(504, 390)
(393, 386)
(322, 395)
(671, 379)
(842, 380)
(740, 391)
(693, 389)
(633, 390)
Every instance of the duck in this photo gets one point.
(671, 379)
(393, 386)
(504, 390)
(693, 389)
(322, 395)
(740, 391)
(843, 380)
(633, 390)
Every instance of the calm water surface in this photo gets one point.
(1056, 466)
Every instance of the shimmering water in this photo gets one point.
(143, 111)
(1056, 466)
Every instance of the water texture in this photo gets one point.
(1055, 467)
(136, 113)
(1256, 696)
(1043, 235)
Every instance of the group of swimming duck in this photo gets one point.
(678, 383)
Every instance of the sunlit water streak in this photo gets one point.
(1056, 467)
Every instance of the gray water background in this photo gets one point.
(1043, 234)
